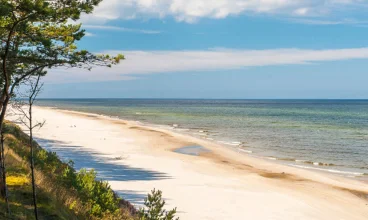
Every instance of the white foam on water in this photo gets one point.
(183, 129)
(303, 161)
(321, 164)
(271, 158)
(230, 143)
(245, 151)
(329, 170)
(234, 143)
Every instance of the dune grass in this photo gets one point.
(20, 194)
(62, 192)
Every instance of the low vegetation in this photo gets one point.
(155, 208)
(63, 192)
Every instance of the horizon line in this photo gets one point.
(361, 99)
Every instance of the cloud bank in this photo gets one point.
(193, 10)
(153, 62)
(122, 29)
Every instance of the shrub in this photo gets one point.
(155, 208)
(95, 195)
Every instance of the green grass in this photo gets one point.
(62, 192)
(20, 194)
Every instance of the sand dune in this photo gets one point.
(220, 184)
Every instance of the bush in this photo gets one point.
(95, 195)
(155, 208)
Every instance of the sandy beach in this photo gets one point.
(217, 184)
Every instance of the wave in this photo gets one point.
(245, 151)
(330, 170)
(276, 158)
(271, 158)
(304, 161)
(215, 134)
(235, 143)
(323, 164)
(316, 163)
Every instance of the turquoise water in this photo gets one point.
(329, 135)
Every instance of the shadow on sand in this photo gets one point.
(135, 197)
(106, 167)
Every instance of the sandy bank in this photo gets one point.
(222, 184)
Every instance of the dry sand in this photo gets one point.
(222, 184)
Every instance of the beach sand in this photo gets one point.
(218, 184)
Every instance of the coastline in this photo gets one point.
(334, 146)
(241, 147)
(220, 184)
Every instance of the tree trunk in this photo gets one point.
(3, 188)
(32, 163)
(2, 191)
(3, 175)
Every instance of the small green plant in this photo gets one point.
(96, 193)
(155, 208)
(72, 205)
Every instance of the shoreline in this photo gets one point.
(314, 166)
(224, 171)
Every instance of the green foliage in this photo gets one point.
(47, 160)
(20, 188)
(97, 193)
(36, 35)
(155, 208)
(93, 193)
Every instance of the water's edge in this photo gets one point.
(240, 147)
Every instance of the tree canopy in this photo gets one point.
(37, 35)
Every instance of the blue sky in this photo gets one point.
(223, 49)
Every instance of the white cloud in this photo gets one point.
(301, 11)
(114, 28)
(192, 10)
(151, 62)
(89, 34)
(352, 22)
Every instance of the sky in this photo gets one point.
(241, 49)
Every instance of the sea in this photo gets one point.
(322, 135)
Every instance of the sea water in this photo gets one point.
(324, 135)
